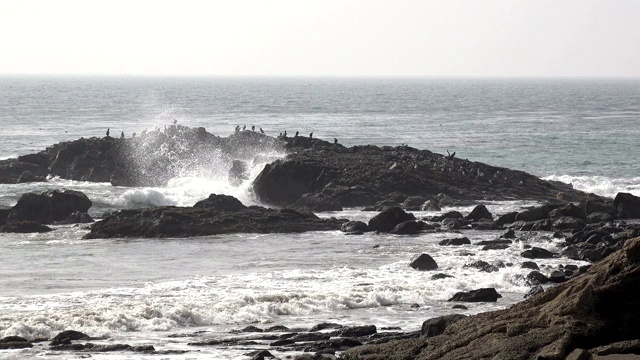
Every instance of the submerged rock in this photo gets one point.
(479, 295)
(423, 262)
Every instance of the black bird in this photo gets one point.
(262, 131)
(122, 135)
(335, 141)
(244, 127)
(107, 132)
(253, 128)
(311, 135)
(297, 134)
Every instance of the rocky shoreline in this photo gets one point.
(590, 311)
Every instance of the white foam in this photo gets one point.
(600, 185)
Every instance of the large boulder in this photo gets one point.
(354, 227)
(13, 226)
(568, 210)
(423, 262)
(478, 213)
(387, 219)
(628, 205)
(479, 295)
(586, 312)
(409, 227)
(436, 326)
(537, 253)
(49, 206)
(455, 242)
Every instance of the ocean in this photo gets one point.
(168, 292)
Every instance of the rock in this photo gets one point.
(568, 222)
(534, 291)
(534, 214)
(316, 203)
(568, 210)
(440, 276)
(495, 247)
(479, 295)
(536, 278)
(413, 202)
(450, 215)
(537, 253)
(357, 331)
(494, 242)
(594, 309)
(430, 205)
(436, 326)
(352, 227)
(251, 329)
(510, 234)
(451, 224)
(598, 217)
(598, 206)
(277, 328)
(423, 262)
(478, 213)
(529, 265)
(508, 218)
(49, 206)
(628, 205)
(169, 221)
(220, 203)
(458, 306)
(69, 335)
(557, 276)
(14, 342)
(409, 227)
(482, 266)
(78, 218)
(386, 220)
(27, 177)
(12, 226)
(456, 241)
(487, 225)
(381, 205)
(324, 326)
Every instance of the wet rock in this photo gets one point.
(567, 222)
(409, 227)
(324, 326)
(451, 224)
(495, 247)
(529, 265)
(69, 335)
(534, 291)
(79, 218)
(12, 226)
(251, 329)
(628, 205)
(537, 253)
(49, 206)
(494, 242)
(220, 203)
(510, 234)
(316, 203)
(238, 173)
(599, 217)
(479, 295)
(357, 331)
(483, 266)
(487, 225)
(440, 276)
(277, 328)
(534, 214)
(508, 218)
(536, 278)
(569, 210)
(455, 242)
(478, 213)
(332, 345)
(437, 326)
(354, 227)
(450, 215)
(423, 262)
(557, 276)
(599, 206)
(386, 220)
(413, 202)
(260, 354)
(14, 342)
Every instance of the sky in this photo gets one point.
(385, 38)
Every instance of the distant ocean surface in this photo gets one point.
(137, 291)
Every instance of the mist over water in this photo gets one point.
(142, 291)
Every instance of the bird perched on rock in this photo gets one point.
(297, 133)
(262, 131)
(311, 135)
(335, 140)
(122, 135)
(244, 127)
(253, 128)
(107, 132)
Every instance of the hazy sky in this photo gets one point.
(322, 38)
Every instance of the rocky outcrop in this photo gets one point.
(388, 219)
(587, 312)
(170, 221)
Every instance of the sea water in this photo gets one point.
(168, 292)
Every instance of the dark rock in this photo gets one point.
(567, 222)
(220, 203)
(537, 253)
(599, 217)
(357, 331)
(332, 345)
(354, 227)
(277, 328)
(15, 345)
(451, 224)
(534, 291)
(13, 338)
(251, 329)
(282, 342)
(568, 210)
(49, 206)
(260, 354)
(27, 177)
(510, 234)
(324, 326)
(529, 265)
(430, 205)
(494, 242)
(437, 326)
(409, 227)
(414, 202)
(316, 203)
(478, 213)
(12, 226)
(69, 335)
(440, 276)
(557, 276)
(496, 247)
(598, 206)
(79, 218)
(487, 225)
(423, 262)
(628, 205)
(479, 295)
(534, 214)
(536, 278)
(381, 205)
(450, 215)
(171, 221)
(508, 218)
(482, 266)
(386, 220)
(618, 348)
(456, 241)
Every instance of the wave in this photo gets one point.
(600, 185)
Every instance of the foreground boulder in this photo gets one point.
(628, 205)
(171, 221)
(586, 312)
(387, 220)
(423, 262)
(479, 295)
(49, 206)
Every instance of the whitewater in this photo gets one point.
(169, 292)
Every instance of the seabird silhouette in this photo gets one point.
(107, 132)
(253, 128)
(262, 131)
(335, 140)
(122, 135)
(311, 135)
(297, 133)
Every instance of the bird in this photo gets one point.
(311, 135)
(244, 127)
(285, 133)
(133, 136)
(253, 128)
(122, 135)
(335, 140)
(297, 133)
(262, 131)
(107, 132)
(175, 121)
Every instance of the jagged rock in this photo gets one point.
(12, 226)
(409, 227)
(529, 265)
(456, 241)
(479, 295)
(537, 253)
(568, 222)
(386, 220)
(534, 291)
(437, 326)
(568, 210)
(49, 206)
(220, 203)
(423, 262)
(536, 278)
(628, 205)
(353, 227)
(478, 213)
